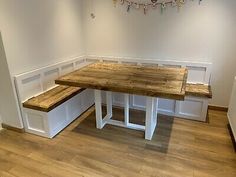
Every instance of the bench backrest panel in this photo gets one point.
(35, 82)
(198, 72)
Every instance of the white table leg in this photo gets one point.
(155, 112)
(100, 121)
(126, 109)
(109, 103)
(151, 112)
(98, 108)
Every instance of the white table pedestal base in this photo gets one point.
(151, 114)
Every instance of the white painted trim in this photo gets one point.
(98, 108)
(126, 109)
(151, 117)
(115, 58)
(109, 103)
(129, 126)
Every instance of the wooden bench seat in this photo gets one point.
(198, 90)
(52, 98)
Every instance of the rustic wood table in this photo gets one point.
(152, 82)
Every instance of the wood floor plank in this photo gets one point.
(180, 148)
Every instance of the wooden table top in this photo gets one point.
(154, 81)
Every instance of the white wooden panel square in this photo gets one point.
(191, 108)
(57, 117)
(74, 106)
(78, 63)
(30, 86)
(87, 99)
(138, 102)
(67, 68)
(35, 122)
(166, 106)
(118, 99)
(196, 74)
(49, 78)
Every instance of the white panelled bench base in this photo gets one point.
(49, 124)
(36, 82)
(192, 108)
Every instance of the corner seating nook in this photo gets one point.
(47, 109)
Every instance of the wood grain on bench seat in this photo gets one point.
(52, 98)
(199, 90)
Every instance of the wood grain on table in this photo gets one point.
(155, 81)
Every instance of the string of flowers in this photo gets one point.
(153, 4)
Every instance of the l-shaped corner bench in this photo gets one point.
(47, 108)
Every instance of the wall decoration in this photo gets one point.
(153, 4)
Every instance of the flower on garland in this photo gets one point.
(152, 4)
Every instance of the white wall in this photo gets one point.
(37, 33)
(9, 112)
(40, 32)
(196, 33)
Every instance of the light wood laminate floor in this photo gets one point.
(180, 148)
